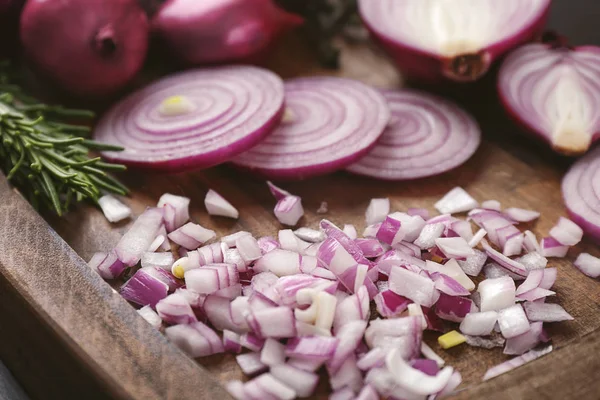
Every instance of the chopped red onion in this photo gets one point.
(513, 321)
(479, 324)
(535, 294)
(250, 363)
(553, 248)
(276, 322)
(176, 209)
(455, 247)
(588, 264)
(267, 244)
(418, 288)
(566, 232)
(113, 209)
(97, 260)
(371, 231)
(422, 212)
(513, 245)
(236, 389)
(272, 353)
(348, 375)
(289, 241)
(377, 211)
(373, 359)
(516, 362)
(218, 312)
(414, 380)
(546, 312)
(164, 276)
(231, 342)
(350, 335)
(448, 285)
(385, 329)
(368, 392)
(491, 205)
(310, 235)
(521, 215)
(279, 262)
(305, 364)
(497, 294)
(452, 308)
(473, 264)
(503, 261)
(390, 304)
(175, 309)
(144, 289)
(431, 355)
(390, 231)
(532, 261)
(150, 316)
(252, 342)
(352, 308)
(429, 234)
(350, 231)
(303, 382)
(289, 210)
(456, 201)
(549, 278)
(428, 367)
(312, 348)
(208, 279)
(217, 205)
(453, 270)
(159, 260)
(530, 243)
(161, 243)
(191, 236)
(532, 281)
(344, 393)
(371, 248)
(248, 248)
(493, 270)
(196, 339)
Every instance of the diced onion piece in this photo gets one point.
(231, 342)
(492, 205)
(175, 309)
(277, 192)
(588, 264)
(418, 288)
(429, 234)
(279, 262)
(250, 363)
(473, 264)
(350, 335)
(191, 236)
(546, 312)
(521, 215)
(414, 380)
(454, 271)
(350, 231)
(229, 240)
(301, 381)
(497, 294)
(248, 248)
(553, 248)
(289, 210)
(217, 205)
(455, 247)
(276, 322)
(144, 289)
(160, 260)
(150, 316)
(515, 362)
(456, 201)
(513, 321)
(312, 348)
(377, 211)
(196, 339)
(513, 245)
(176, 209)
(530, 243)
(113, 209)
(479, 324)
(503, 261)
(415, 310)
(310, 235)
(566, 232)
(272, 353)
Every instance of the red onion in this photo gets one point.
(426, 136)
(588, 264)
(554, 92)
(250, 363)
(99, 50)
(191, 236)
(330, 123)
(113, 209)
(513, 321)
(479, 324)
(175, 309)
(516, 362)
(194, 119)
(217, 205)
(176, 210)
(546, 312)
(217, 31)
(526, 341)
(497, 294)
(231, 342)
(453, 40)
(196, 339)
(150, 316)
(581, 192)
(566, 232)
(377, 211)
(302, 382)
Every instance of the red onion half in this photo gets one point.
(194, 119)
(88, 47)
(329, 124)
(554, 93)
(427, 136)
(211, 31)
(456, 40)
(581, 192)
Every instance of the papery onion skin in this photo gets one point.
(215, 31)
(427, 64)
(543, 70)
(88, 47)
(427, 136)
(581, 193)
(235, 108)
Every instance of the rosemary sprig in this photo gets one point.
(41, 154)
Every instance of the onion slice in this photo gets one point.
(217, 205)
(554, 92)
(456, 40)
(230, 110)
(334, 122)
(427, 136)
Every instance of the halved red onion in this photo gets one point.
(217, 205)
(113, 209)
(588, 264)
(497, 294)
(459, 41)
(427, 136)
(546, 312)
(333, 122)
(554, 92)
(515, 362)
(194, 119)
(150, 316)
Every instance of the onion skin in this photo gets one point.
(214, 31)
(88, 47)
(422, 65)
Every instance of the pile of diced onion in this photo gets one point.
(300, 303)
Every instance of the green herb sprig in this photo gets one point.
(46, 157)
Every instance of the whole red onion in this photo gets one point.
(88, 47)
(211, 31)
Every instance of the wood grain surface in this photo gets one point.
(68, 333)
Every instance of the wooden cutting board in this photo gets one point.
(64, 332)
